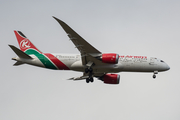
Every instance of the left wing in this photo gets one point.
(82, 45)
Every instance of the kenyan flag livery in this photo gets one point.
(47, 59)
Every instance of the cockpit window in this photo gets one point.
(162, 61)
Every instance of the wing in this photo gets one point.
(82, 45)
(85, 76)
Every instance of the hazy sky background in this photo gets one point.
(127, 27)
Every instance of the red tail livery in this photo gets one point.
(24, 42)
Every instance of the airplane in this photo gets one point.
(90, 61)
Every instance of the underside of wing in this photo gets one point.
(86, 76)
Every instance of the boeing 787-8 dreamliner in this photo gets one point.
(90, 61)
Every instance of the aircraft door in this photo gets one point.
(153, 61)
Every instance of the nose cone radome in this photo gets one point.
(167, 67)
(164, 67)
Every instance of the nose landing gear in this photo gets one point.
(154, 75)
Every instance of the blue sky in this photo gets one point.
(141, 27)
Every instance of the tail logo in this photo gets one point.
(24, 44)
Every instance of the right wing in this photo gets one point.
(85, 76)
(82, 45)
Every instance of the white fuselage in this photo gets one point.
(125, 64)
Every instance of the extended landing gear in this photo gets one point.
(154, 75)
(89, 71)
(89, 80)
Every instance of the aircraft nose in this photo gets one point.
(167, 67)
(164, 67)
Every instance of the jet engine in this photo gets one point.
(111, 78)
(111, 58)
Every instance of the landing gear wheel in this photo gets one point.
(91, 79)
(154, 76)
(87, 80)
(90, 70)
(86, 70)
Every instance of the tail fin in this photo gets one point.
(24, 42)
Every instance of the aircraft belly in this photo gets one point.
(139, 67)
(77, 66)
(110, 68)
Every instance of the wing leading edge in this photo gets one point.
(82, 45)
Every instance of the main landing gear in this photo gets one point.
(90, 79)
(154, 75)
(88, 70)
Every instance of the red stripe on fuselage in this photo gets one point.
(57, 62)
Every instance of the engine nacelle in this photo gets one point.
(111, 78)
(111, 58)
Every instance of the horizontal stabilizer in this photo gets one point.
(20, 53)
(18, 63)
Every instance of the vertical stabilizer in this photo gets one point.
(24, 42)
